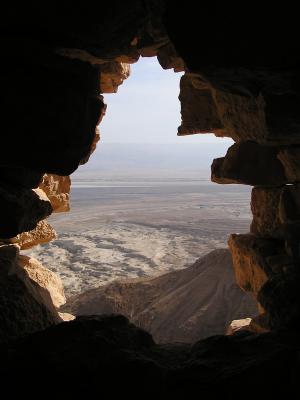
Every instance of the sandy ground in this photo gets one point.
(138, 227)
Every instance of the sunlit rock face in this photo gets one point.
(112, 74)
(49, 284)
(42, 233)
(57, 189)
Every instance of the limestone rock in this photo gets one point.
(42, 233)
(50, 286)
(280, 297)
(181, 306)
(24, 305)
(249, 163)
(265, 209)
(198, 111)
(249, 255)
(168, 58)
(57, 188)
(290, 158)
(276, 211)
(112, 75)
(66, 316)
(21, 209)
(242, 117)
(237, 325)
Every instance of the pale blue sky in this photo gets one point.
(146, 108)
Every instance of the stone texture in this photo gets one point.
(168, 58)
(290, 159)
(198, 111)
(265, 210)
(276, 211)
(42, 233)
(112, 75)
(21, 210)
(242, 117)
(181, 306)
(249, 256)
(280, 297)
(57, 189)
(23, 305)
(48, 284)
(251, 164)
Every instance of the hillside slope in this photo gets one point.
(183, 306)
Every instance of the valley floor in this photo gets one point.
(122, 227)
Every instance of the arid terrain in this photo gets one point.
(180, 306)
(130, 225)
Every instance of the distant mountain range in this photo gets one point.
(180, 306)
(118, 156)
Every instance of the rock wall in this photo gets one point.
(241, 81)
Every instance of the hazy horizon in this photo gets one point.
(146, 157)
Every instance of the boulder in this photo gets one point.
(237, 325)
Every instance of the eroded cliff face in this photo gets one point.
(241, 81)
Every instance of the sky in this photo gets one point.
(146, 108)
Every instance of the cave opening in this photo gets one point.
(144, 206)
(241, 81)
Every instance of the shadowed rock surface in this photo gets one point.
(25, 305)
(109, 356)
(181, 306)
